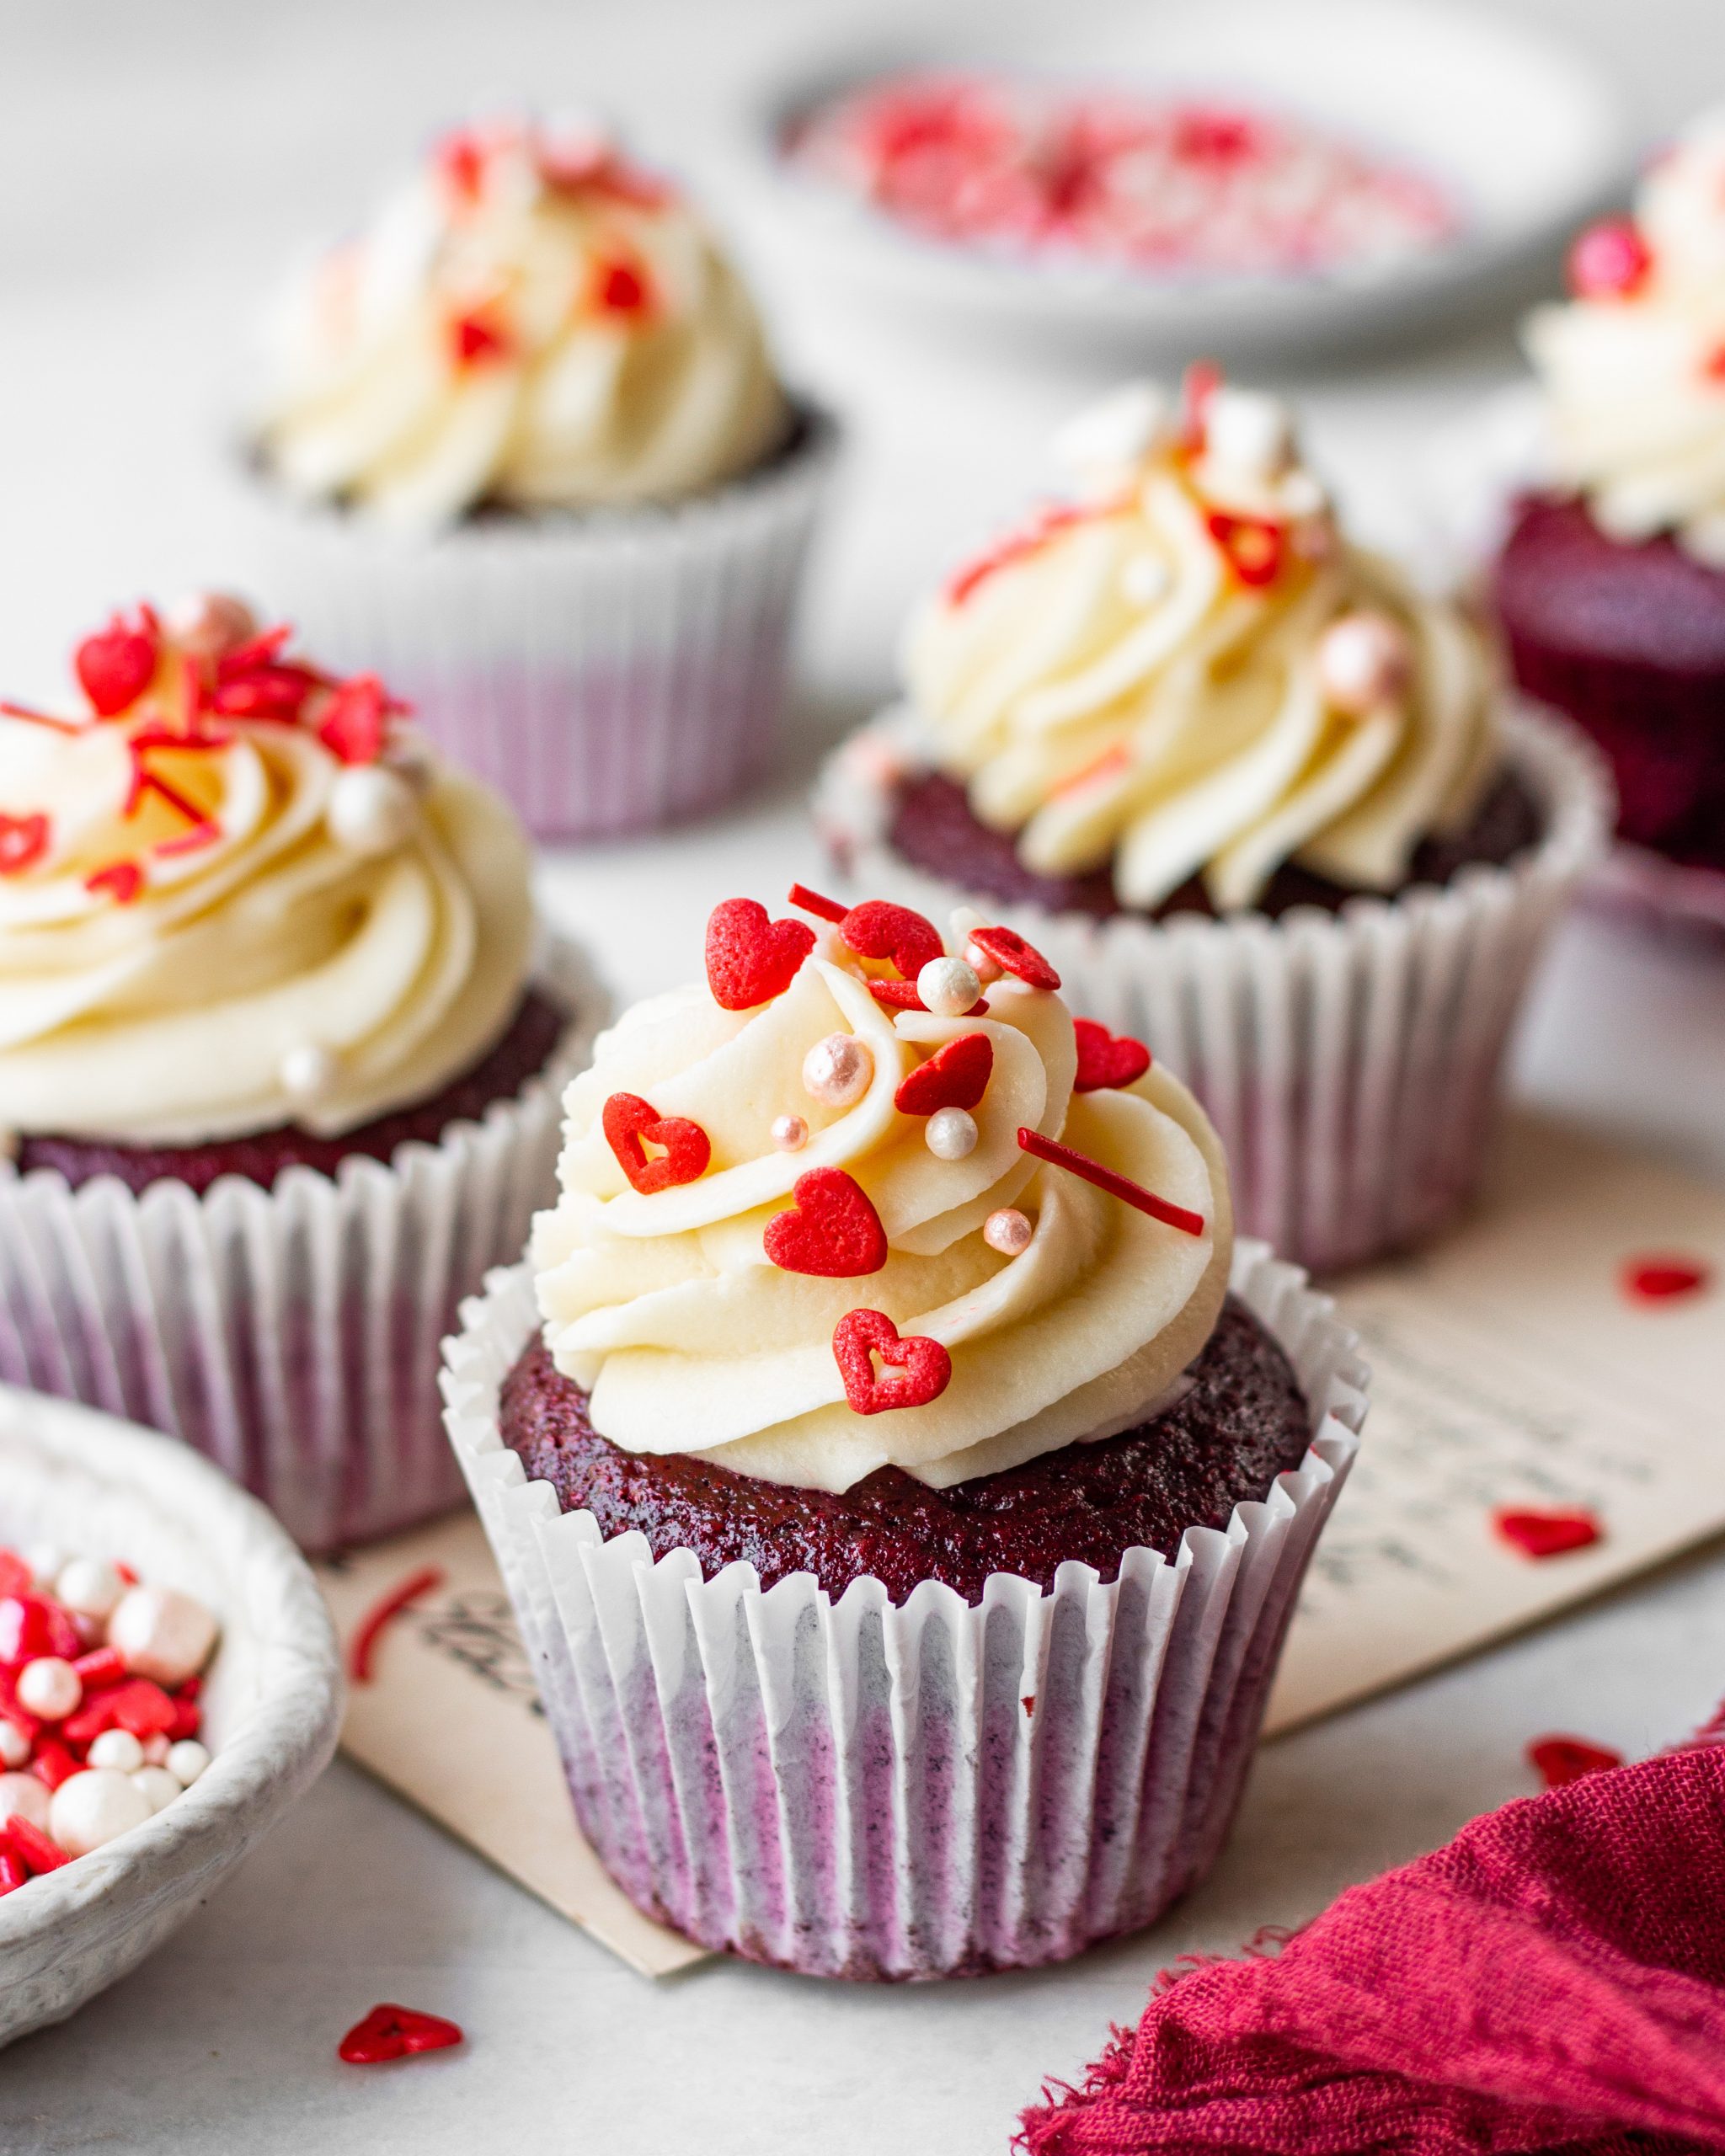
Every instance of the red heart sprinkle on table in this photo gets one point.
(1013, 955)
(628, 1120)
(1547, 1535)
(122, 880)
(750, 958)
(1108, 1179)
(1560, 1760)
(24, 839)
(1666, 1278)
(832, 1230)
(397, 2032)
(955, 1077)
(799, 894)
(1106, 1059)
(861, 1335)
(116, 666)
(905, 939)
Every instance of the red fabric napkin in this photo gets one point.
(1553, 1979)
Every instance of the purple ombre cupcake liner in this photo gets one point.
(290, 1334)
(852, 1789)
(607, 672)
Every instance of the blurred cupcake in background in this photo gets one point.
(524, 450)
(1610, 583)
(280, 1057)
(1254, 794)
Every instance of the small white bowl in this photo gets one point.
(87, 1482)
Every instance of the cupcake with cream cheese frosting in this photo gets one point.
(1254, 791)
(278, 1058)
(1610, 581)
(884, 1437)
(546, 475)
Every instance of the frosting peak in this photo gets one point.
(531, 320)
(234, 894)
(1185, 669)
(838, 1172)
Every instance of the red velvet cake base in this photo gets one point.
(934, 827)
(1630, 642)
(522, 1053)
(1243, 1422)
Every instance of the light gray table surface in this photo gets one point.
(155, 165)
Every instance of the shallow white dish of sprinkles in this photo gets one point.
(94, 1485)
(1525, 135)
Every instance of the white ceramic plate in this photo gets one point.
(272, 1697)
(1526, 137)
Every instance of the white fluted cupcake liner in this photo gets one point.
(291, 1334)
(606, 672)
(852, 1788)
(1350, 1061)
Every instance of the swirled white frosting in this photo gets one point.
(528, 321)
(167, 980)
(1634, 379)
(1139, 677)
(691, 1340)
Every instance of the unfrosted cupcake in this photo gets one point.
(1255, 794)
(528, 455)
(901, 1477)
(279, 1059)
(1610, 584)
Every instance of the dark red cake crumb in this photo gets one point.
(522, 1053)
(1630, 642)
(934, 827)
(1243, 1422)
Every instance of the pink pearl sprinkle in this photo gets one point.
(1008, 1231)
(790, 1134)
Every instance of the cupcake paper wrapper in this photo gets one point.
(852, 1788)
(608, 672)
(290, 1334)
(1349, 1061)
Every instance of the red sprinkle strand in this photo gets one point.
(122, 879)
(1665, 1279)
(12, 1873)
(396, 2032)
(1560, 1760)
(371, 1626)
(39, 717)
(33, 1845)
(799, 894)
(1204, 378)
(1117, 1186)
(1547, 1535)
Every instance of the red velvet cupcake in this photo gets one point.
(280, 1079)
(1611, 584)
(900, 1476)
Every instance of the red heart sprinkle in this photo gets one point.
(750, 958)
(1665, 1279)
(878, 929)
(1106, 1059)
(628, 1119)
(860, 1335)
(621, 287)
(832, 1230)
(24, 839)
(396, 2032)
(355, 721)
(1013, 955)
(124, 879)
(1561, 1760)
(116, 666)
(901, 995)
(955, 1077)
(1547, 1535)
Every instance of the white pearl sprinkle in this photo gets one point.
(117, 1749)
(24, 1795)
(370, 810)
(155, 1785)
(838, 1070)
(1008, 1231)
(91, 1808)
(14, 1745)
(49, 1687)
(951, 1133)
(161, 1634)
(187, 1760)
(1247, 432)
(1364, 661)
(89, 1587)
(1144, 579)
(308, 1073)
(947, 987)
(790, 1134)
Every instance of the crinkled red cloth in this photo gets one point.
(1553, 1979)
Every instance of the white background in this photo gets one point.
(156, 163)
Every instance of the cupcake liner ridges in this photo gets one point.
(855, 1790)
(1349, 1061)
(290, 1335)
(607, 672)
